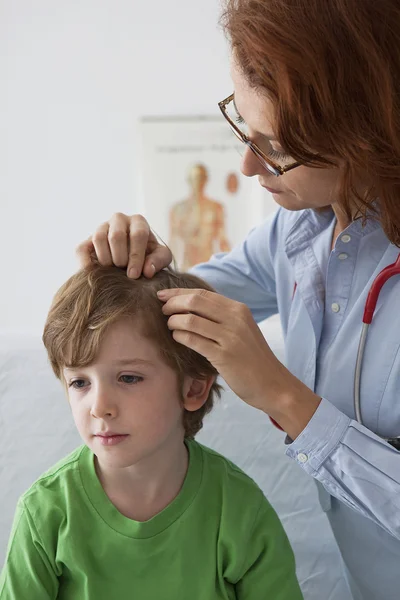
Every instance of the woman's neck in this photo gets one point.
(342, 221)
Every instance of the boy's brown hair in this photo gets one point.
(97, 297)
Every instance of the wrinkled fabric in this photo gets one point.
(37, 430)
(286, 266)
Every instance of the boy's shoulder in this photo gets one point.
(224, 473)
(54, 481)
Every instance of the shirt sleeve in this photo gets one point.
(27, 572)
(353, 464)
(246, 274)
(269, 569)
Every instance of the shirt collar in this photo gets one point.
(312, 222)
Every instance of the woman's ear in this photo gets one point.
(195, 392)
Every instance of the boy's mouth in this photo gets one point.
(109, 438)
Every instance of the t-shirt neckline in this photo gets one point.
(106, 510)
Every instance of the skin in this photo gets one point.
(299, 188)
(209, 323)
(128, 389)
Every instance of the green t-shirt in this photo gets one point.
(219, 539)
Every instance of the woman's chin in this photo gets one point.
(289, 201)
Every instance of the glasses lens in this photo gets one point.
(272, 169)
(272, 158)
(236, 119)
(235, 132)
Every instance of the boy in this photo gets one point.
(141, 510)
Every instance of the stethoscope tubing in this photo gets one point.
(357, 372)
(369, 310)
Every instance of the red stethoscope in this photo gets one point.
(369, 309)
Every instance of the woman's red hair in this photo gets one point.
(332, 71)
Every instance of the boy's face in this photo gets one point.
(127, 404)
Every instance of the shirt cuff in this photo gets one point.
(319, 439)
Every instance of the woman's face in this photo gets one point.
(300, 188)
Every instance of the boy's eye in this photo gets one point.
(130, 379)
(78, 384)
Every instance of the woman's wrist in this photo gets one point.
(292, 405)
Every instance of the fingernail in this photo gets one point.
(162, 294)
(153, 268)
(133, 273)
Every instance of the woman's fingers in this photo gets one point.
(209, 305)
(146, 254)
(118, 239)
(156, 260)
(157, 257)
(125, 242)
(136, 246)
(195, 326)
(198, 343)
(101, 245)
(84, 253)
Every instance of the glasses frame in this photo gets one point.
(267, 163)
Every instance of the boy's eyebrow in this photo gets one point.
(132, 361)
(270, 138)
(121, 362)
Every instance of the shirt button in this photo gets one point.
(343, 256)
(302, 458)
(335, 307)
(345, 238)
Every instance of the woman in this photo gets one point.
(317, 103)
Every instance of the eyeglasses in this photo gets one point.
(275, 162)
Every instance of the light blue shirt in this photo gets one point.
(358, 472)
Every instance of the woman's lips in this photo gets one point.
(272, 191)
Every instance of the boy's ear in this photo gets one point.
(195, 392)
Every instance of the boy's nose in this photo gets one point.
(103, 405)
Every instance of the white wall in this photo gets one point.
(75, 77)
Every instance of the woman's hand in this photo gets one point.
(225, 332)
(125, 242)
